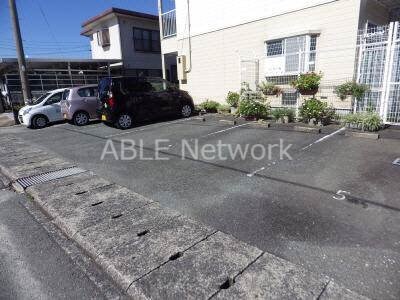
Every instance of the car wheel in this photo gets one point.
(39, 122)
(81, 118)
(186, 111)
(124, 121)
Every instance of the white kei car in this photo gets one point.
(44, 110)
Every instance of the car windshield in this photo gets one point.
(104, 86)
(40, 99)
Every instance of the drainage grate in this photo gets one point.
(48, 176)
(397, 162)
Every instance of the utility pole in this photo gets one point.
(26, 91)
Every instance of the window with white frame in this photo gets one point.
(103, 37)
(292, 55)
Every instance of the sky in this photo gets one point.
(51, 28)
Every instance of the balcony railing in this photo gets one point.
(168, 20)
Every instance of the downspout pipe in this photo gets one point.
(189, 38)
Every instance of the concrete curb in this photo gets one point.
(153, 252)
(307, 129)
(365, 135)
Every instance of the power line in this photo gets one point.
(47, 22)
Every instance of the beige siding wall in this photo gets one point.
(216, 55)
(114, 50)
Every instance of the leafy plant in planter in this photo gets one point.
(233, 99)
(351, 88)
(209, 106)
(252, 109)
(224, 109)
(269, 89)
(308, 83)
(369, 121)
(283, 115)
(318, 110)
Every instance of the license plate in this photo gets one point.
(103, 118)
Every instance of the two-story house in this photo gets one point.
(130, 36)
(220, 44)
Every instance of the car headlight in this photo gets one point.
(26, 111)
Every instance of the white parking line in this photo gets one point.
(223, 130)
(324, 138)
(145, 128)
(260, 169)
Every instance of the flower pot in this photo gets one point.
(308, 92)
(285, 119)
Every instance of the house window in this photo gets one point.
(275, 48)
(292, 55)
(103, 37)
(146, 40)
(289, 98)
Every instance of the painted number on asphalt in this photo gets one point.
(341, 195)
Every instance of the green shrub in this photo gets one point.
(253, 108)
(369, 121)
(233, 99)
(351, 88)
(307, 83)
(210, 106)
(268, 89)
(279, 113)
(224, 108)
(316, 109)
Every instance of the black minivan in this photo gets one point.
(125, 100)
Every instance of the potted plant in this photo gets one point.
(233, 101)
(351, 88)
(253, 110)
(283, 115)
(364, 121)
(269, 89)
(316, 110)
(308, 83)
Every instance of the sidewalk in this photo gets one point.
(6, 119)
(153, 252)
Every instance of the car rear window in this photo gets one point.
(66, 94)
(104, 86)
(87, 92)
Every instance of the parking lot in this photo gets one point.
(333, 208)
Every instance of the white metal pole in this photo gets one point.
(388, 70)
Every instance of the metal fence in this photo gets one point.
(45, 80)
(168, 20)
(379, 68)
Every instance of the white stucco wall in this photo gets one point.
(209, 15)
(216, 54)
(114, 50)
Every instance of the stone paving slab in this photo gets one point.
(84, 210)
(200, 272)
(52, 193)
(117, 230)
(37, 168)
(142, 254)
(334, 291)
(271, 277)
(31, 158)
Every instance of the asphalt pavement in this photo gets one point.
(334, 208)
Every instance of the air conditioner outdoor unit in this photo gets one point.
(181, 66)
